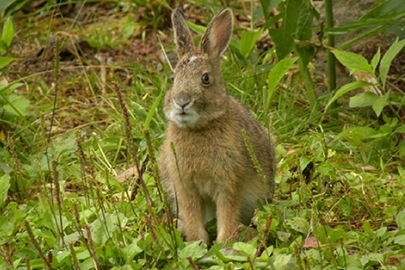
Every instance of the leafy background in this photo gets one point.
(81, 86)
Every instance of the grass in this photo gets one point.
(77, 125)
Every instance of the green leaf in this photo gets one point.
(380, 103)
(346, 206)
(304, 161)
(275, 76)
(283, 36)
(400, 219)
(400, 129)
(8, 31)
(195, 250)
(4, 187)
(326, 234)
(305, 21)
(346, 89)
(367, 228)
(17, 105)
(386, 61)
(4, 4)
(366, 99)
(298, 224)
(139, 111)
(375, 60)
(401, 148)
(153, 110)
(386, 9)
(281, 261)
(267, 5)
(400, 240)
(245, 248)
(248, 41)
(354, 62)
(103, 227)
(4, 61)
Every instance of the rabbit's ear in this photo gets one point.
(182, 35)
(218, 34)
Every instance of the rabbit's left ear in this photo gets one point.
(218, 34)
(182, 35)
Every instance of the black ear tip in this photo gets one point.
(178, 12)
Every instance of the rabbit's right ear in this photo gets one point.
(182, 35)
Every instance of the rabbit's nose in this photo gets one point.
(182, 104)
(182, 101)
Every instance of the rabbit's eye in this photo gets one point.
(205, 79)
(172, 77)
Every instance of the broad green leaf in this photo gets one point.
(17, 105)
(354, 62)
(400, 129)
(389, 55)
(400, 240)
(400, 219)
(139, 111)
(358, 133)
(380, 103)
(304, 161)
(283, 236)
(281, 261)
(194, 250)
(283, 36)
(245, 248)
(367, 228)
(372, 257)
(275, 76)
(4, 61)
(305, 21)
(266, 253)
(248, 41)
(298, 224)
(346, 89)
(103, 227)
(8, 32)
(326, 234)
(365, 99)
(7, 90)
(4, 187)
(381, 231)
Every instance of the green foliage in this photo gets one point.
(7, 35)
(386, 17)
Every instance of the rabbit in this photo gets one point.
(205, 164)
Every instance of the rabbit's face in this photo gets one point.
(197, 95)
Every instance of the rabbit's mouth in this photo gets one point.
(183, 118)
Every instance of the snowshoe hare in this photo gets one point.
(205, 162)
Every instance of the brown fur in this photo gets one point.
(204, 163)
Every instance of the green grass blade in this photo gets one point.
(275, 76)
